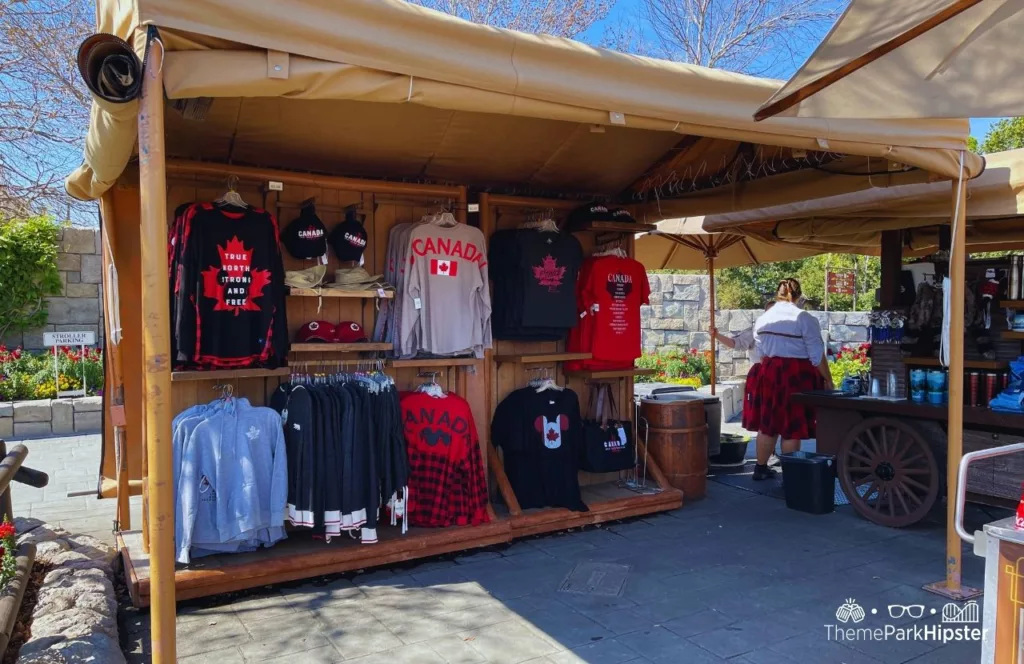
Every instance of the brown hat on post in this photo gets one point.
(110, 68)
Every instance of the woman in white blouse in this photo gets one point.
(745, 341)
(788, 339)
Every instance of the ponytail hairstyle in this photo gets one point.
(789, 291)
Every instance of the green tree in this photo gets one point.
(28, 272)
(750, 286)
(972, 144)
(1005, 134)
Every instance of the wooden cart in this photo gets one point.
(891, 455)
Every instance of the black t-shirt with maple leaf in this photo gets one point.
(541, 436)
(229, 289)
(534, 275)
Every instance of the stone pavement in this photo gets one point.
(736, 577)
(733, 578)
(73, 465)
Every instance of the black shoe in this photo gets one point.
(762, 473)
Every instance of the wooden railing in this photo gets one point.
(11, 470)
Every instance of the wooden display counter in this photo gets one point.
(891, 456)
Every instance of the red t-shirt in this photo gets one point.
(618, 287)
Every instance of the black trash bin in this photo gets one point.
(809, 481)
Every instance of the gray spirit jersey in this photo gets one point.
(446, 302)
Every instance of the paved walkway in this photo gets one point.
(733, 578)
(73, 465)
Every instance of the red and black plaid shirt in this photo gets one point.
(447, 486)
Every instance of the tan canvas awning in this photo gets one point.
(385, 88)
(682, 244)
(997, 194)
(995, 214)
(968, 65)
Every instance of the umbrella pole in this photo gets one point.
(157, 377)
(952, 587)
(714, 342)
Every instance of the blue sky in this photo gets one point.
(623, 9)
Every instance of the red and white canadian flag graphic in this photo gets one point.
(444, 268)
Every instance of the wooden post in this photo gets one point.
(951, 587)
(714, 343)
(115, 402)
(892, 266)
(157, 362)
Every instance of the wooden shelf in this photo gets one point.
(968, 364)
(614, 227)
(1012, 304)
(624, 373)
(440, 362)
(364, 347)
(228, 374)
(540, 358)
(1013, 334)
(337, 292)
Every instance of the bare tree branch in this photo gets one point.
(749, 36)
(561, 18)
(44, 105)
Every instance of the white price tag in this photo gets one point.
(381, 293)
(417, 303)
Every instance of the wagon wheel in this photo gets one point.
(888, 472)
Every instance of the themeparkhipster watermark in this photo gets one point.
(960, 622)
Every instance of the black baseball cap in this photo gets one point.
(348, 238)
(590, 213)
(306, 236)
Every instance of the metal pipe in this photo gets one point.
(961, 486)
(157, 360)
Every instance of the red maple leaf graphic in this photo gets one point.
(552, 434)
(548, 273)
(442, 267)
(233, 284)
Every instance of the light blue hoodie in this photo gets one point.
(232, 482)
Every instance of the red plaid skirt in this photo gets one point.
(751, 402)
(770, 397)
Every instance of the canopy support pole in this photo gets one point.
(952, 587)
(714, 343)
(157, 360)
(115, 405)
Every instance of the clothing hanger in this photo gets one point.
(543, 222)
(612, 251)
(231, 197)
(431, 387)
(544, 382)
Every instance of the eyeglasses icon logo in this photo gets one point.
(850, 610)
(915, 611)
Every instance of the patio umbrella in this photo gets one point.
(683, 244)
(912, 59)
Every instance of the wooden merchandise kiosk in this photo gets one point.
(425, 109)
(383, 205)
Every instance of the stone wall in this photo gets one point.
(40, 418)
(78, 307)
(679, 318)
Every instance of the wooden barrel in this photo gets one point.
(677, 432)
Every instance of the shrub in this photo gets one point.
(26, 375)
(850, 361)
(28, 272)
(672, 366)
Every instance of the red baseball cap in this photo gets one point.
(316, 330)
(349, 332)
